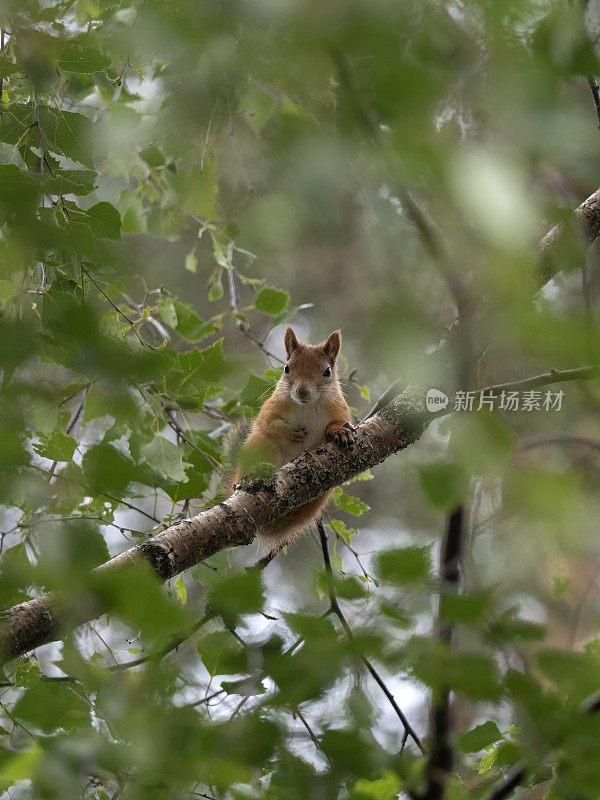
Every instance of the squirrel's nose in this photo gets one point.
(303, 393)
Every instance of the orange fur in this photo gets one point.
(306, 409)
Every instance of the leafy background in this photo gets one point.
(180, 179)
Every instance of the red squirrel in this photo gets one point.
(306, 409)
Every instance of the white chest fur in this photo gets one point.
(312, 417)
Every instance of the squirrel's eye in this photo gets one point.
(327, 372)
(286, 369)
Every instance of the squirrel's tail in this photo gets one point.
(232, 443)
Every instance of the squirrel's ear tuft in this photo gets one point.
(332, 345)
(290, 341)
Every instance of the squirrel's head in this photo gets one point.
(310, 371)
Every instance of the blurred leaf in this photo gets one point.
(383, 788)
(221, 653)
(463, 608)
(258, 106)
(165, 458)
(240, 593)
(272, 301)
(7, 67)
(405, 565)
(75, 58)
(445, 485)
(47, 706)
(480, 737)
(58, 447)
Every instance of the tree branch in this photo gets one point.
(545, 378)
(257, 502)
(586, 217)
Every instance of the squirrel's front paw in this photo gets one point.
(297, 434)
(344, 437)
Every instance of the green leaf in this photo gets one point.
(465, 608)
(28, 673)
(349, 503)
(65, 132)
(166, 309)
(7, 67)
(138, 597)
(207, 365)
(272, 301)
(561, 586)
(181, 590)
(232, 231)
(104, 220)
(48, 706)
(365, 393)
(191, 262)
(105, 469)
(480, 737)
(68, 181)
(254, 394)
(405, 565)
(221, 653)
(445, 485)
(75, 58)
(340, 527)
(383, 788)
(258, 106)
(240, 593)
(165, 458)
(19, 765)
(58, 447)
(44, 416)
(153, 156)
(189, 325)
(215, 289)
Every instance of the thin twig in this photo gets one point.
(441, 757)
(18, 724)
(120, 311)
(1, 79)
(173, 644)
(335, 608)
(241, 325)
(552, 376)
(126, 503)
(204, 700)
(310, 731)
(396, 388)
(36, 110)
(530, 442)
(172, 422)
